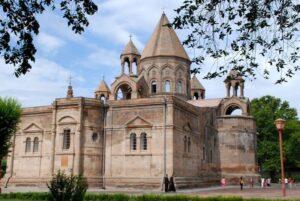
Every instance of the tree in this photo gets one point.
(248, 36)
(18, 19)
(10, 113)
(266, 110)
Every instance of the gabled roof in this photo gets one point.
(130, 49)
(164, 41)
(103, 87)
(195, 83)
(206, 102)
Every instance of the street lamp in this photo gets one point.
(280, 126)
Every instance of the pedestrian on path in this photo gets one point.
(223, 182)
(166, 183)
(241, 183)
(172, 184)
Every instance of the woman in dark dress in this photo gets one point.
(171, 184)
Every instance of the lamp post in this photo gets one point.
(280, 126)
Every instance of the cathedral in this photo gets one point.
(151, 121)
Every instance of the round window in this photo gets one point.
(95, 137)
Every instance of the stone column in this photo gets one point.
(53, 138)
(77, 140)
(123, 64)
(130, 68)
(227, 90)
(234, 89)
(242, 90)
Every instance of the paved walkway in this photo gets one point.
(274, 192)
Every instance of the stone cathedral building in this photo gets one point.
(151, 121)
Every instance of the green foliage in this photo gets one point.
(10, 113)
(18, 19)
(25, 196)
(265, 111)
(122, 197)
(67, 188)
(243, 35)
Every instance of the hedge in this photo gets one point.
(34, 196)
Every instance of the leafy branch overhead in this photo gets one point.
(257, 36)
(18, 20)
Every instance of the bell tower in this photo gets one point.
(130, 56)
(235, 81)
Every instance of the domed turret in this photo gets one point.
(197, 89)
(102, 91)
(130, 55)
(235, 81)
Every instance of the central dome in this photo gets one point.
(164, 42)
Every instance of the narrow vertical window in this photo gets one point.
(36, 144)
(153, 86)
(189, 144)
(167, 86)
(28, 144)
(185, 143)
(66, 139)
(143, 141)
(179, 87)
(203, 152)
(132, 141)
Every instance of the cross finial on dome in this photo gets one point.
(70, 79)
(163, 9)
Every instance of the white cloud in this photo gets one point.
(46, 81)
(49, 43)
(103, 57)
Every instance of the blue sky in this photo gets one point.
(95, 53)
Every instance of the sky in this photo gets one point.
(95, 55)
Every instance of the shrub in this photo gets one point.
(67, 188)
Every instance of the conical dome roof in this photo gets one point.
(164, 41)
(130, 49)
(103, 87)
(195, 83)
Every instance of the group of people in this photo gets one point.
(265, 182)
(169, 184)
(241, 182)
(289, 182)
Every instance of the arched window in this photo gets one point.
(132, 141)
(28, 145)
(36, 144)
(153, 86)
(102, 97)
(179, 87)
(185, 144)
(143, 141)
(66, 139)
(167, 86)
(189, 144)
(196, 96)
(123, 92)
(234, 110)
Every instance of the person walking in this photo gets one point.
(166, 183)
(241, 183)
(223, 182)
(172, 184)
